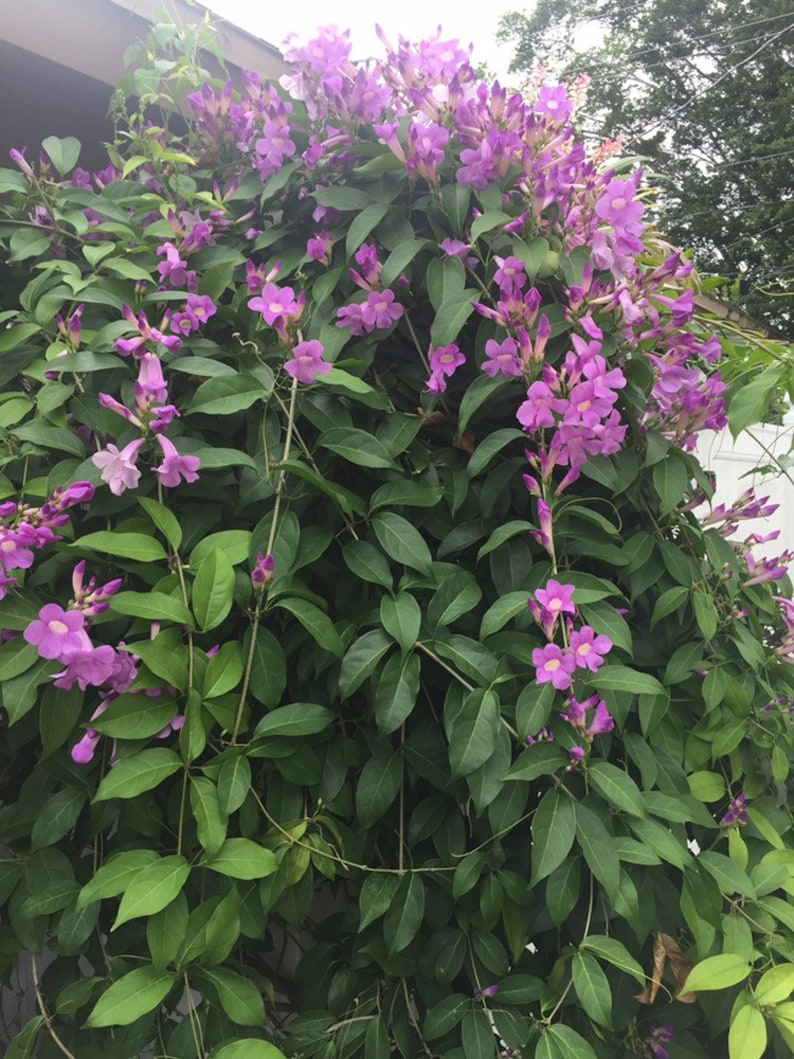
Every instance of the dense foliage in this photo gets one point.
(704, 90)
(378, 679)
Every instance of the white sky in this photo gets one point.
(414, 19)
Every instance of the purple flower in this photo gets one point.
(553, 101)
(319, 248)
(87, 668)
(173, 268)
(307, 362)
(380, 310)
(264, 570)
(554, 665)
(174, 467)
(443, 362)
(589, 649)
(118, 467)
(83, 751)
(58, 633)
(502, 357)
(556, 598)
(736, 812)
(658, 1036)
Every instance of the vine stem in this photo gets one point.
(249, 662)
(195, 1028)
(347, 864)
(462, 682)
(44, 1013)
(550, 1018)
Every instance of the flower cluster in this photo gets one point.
(151, 415)
(25, 529)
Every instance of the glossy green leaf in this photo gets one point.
(401, 541)
(592, 988)
(137, 774)
(617, 787)
(213, 590)
(315, 621)
(553, 833)
(131, 996)
(717, 972)
(151, 606)
(240, 858)
(136, 546)
(152, 888)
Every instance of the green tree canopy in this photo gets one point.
(705, 91)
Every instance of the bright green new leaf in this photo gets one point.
(717, 972)
(747, 1037)
(240, 858)
(139, 773)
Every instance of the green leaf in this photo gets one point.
(406, 913)
(671, 480)
(151, 606)
(296, 720)
(213, 590)
(235, 544)
(401, 541)
(347, 199)
(561, 1042)
(717, 972)
(617, 787)
(598, 848)
(614, 952)
(133, 716)
(482, 390)
(472, 730)
(47, 436)
(445, 1015)
(115, 876)
(669, 601)
(775, 985)
(749, 403)
(165, 932)
(405, 493)
(20, 694)
(490, 447)
(553, 833)
(224, 670)
(363, 224)
(477, 1035)
(240, 858)
(226, 394)
(234, 782)
(377, 786)
(502, 611)
(152, 888)
(357, 446)
(503, 533)
(446, 279)
(401, 618)
(136, 546)
(16, 658)
(457, 595)
(621, 678)
(727, 874)
(269, 670)
(249, 1049)
(63, 153)
(238, 996)
(542, 759)
(210, 821)
(23, 1046)
(165, 656)
(375, 898)
(139, 773)
(397, 692)
(747, 1037)
(592, 988)
(57, 817)
(131, 996)
(165, 520)
(316, 622)
(365, 561)
(361, 660)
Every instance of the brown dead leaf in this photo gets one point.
(667, 951)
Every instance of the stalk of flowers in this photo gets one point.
(25, 529)
(151, 415)
(582, 648)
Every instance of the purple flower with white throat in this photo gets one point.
(502, 358)
(589, 649)
(443, 362)
(553, 665)
(57, 633)
(307, 362)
